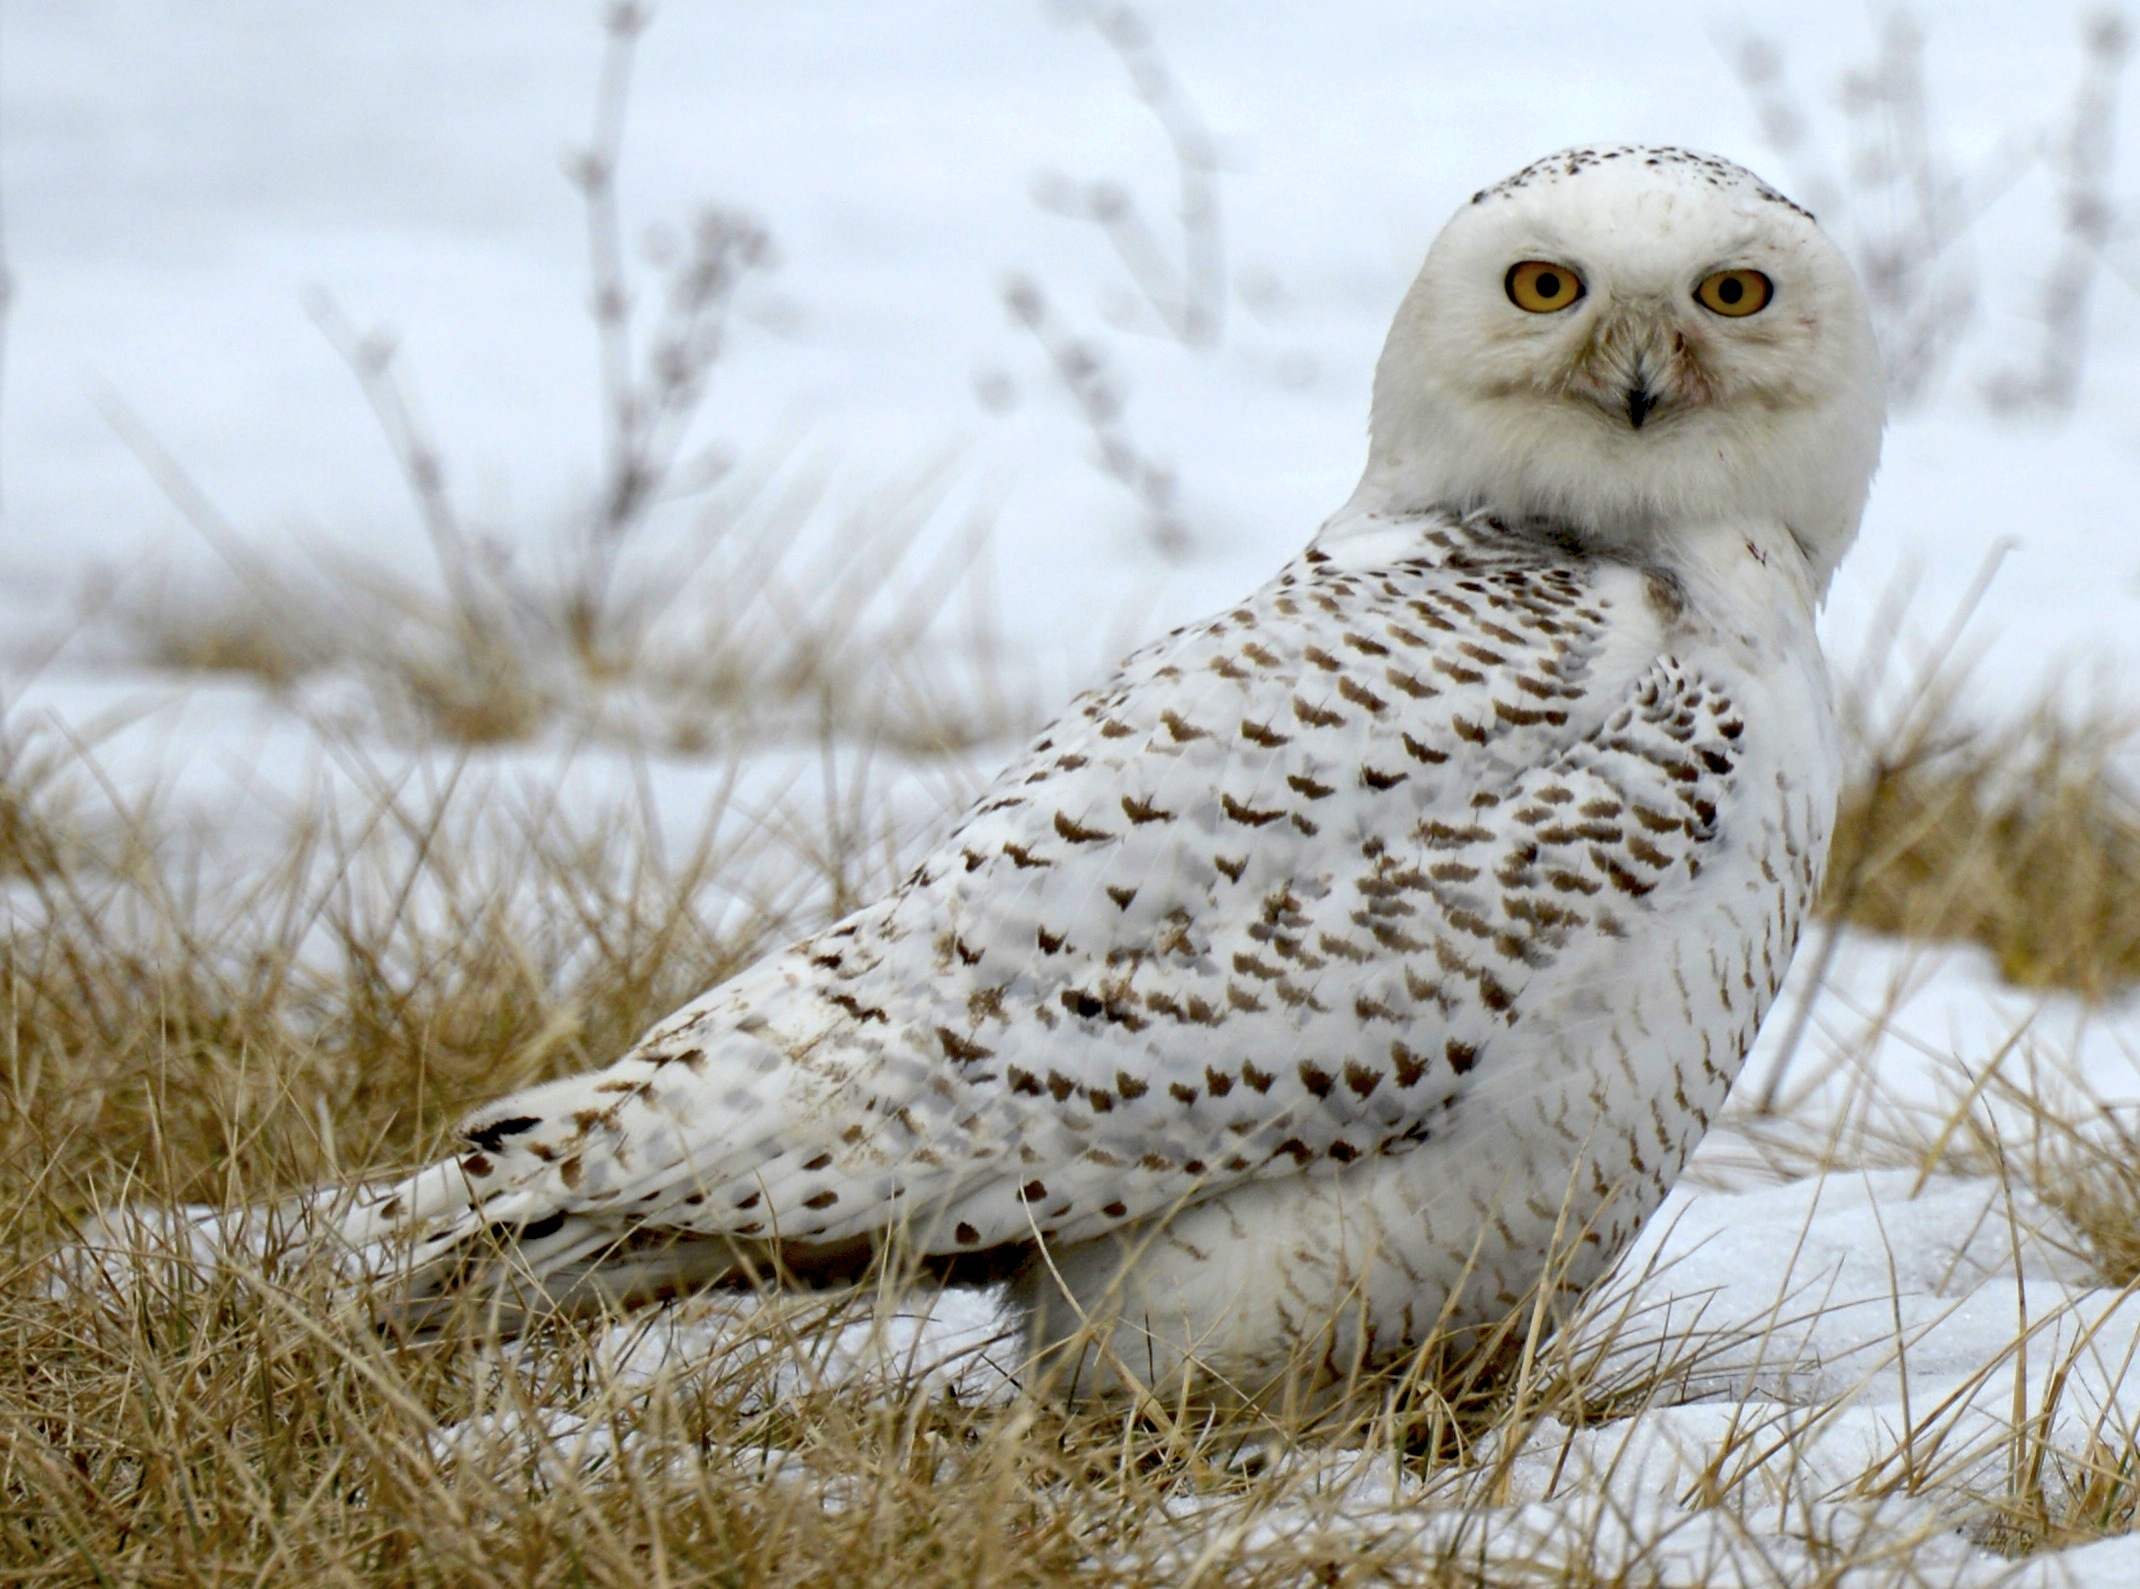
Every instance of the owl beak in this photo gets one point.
(1630, 367)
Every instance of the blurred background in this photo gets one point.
(1102, 285)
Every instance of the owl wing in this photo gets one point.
(1265, 903)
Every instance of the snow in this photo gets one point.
(177, 180)
(1842, 1357)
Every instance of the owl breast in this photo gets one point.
(1598, 944)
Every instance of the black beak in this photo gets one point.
(1639, 404)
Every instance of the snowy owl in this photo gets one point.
(1313, 982)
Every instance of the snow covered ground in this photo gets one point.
(1848, 1356)
(177, 182)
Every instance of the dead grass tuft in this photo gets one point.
(2024, 840)
(241, 631)
(768, 611)
(332, 1008)
(37, 823)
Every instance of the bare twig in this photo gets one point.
(371, 357)
(1188, 297)
(1183, 291)
(2086, 220)
(594, 172)
(481, 684)
(1080, 365)
(647, 413)
(1906, 220)
(1902, 212)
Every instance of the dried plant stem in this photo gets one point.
(1182, 290)
(371, 357)
(1187, 297)
(594, 171)
(2087, 222)
(647, 412)
(1081, 368)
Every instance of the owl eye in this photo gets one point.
(1538, 286)
(1735, 294)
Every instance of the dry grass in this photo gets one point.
(341, 1003)
(769, 612)
(2023, 839)
(169, 1039)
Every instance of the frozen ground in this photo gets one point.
(1839, 1352)
(176, 181)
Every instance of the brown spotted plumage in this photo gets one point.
(1306, 983)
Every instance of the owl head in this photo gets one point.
(1626, 341)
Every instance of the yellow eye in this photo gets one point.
(1540, 287)
(1735, 294)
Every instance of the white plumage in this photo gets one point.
(1295, 991)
